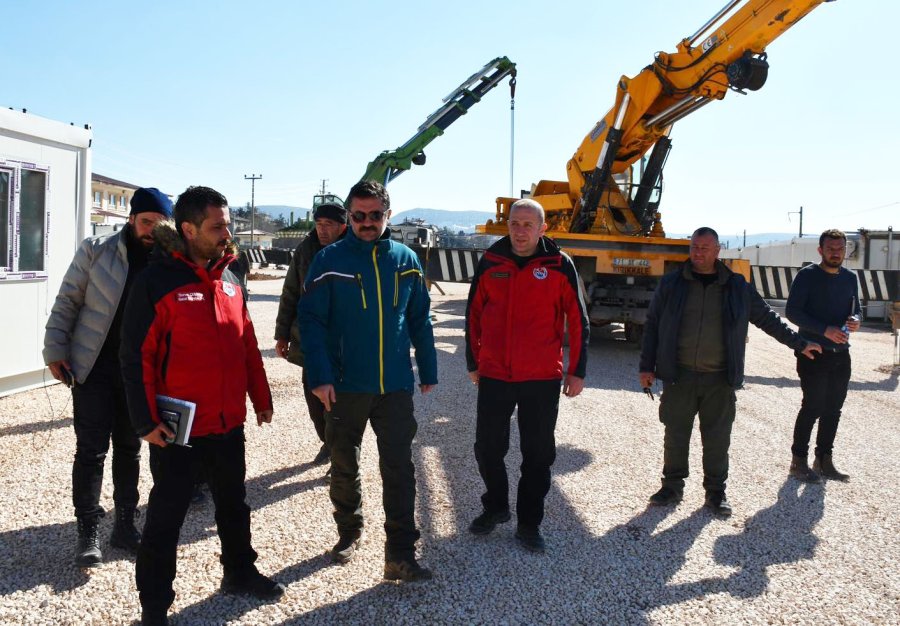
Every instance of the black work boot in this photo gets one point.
(154, 618)
(251, 582)
(801, 471)
(347, 545)
(717, 503)
(407, 570)
(124, 534)
(666, 495)
(530, 538)
(826, 468)
(487, 522)
(87, 550)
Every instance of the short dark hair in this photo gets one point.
(192, 204)
(368, 189)
(705, 230)
(832, 233)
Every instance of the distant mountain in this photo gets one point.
(454, 220)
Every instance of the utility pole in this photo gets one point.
(324, 180)
(801, 219)
(252, 178)
(745, 238)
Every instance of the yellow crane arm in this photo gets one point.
(728, 52)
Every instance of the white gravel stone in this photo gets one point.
(791, 554)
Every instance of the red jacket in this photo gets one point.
(186, 333)
(516, 316)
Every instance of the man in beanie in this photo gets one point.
(81, 347)
(331, 225)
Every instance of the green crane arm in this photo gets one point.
(391, 163)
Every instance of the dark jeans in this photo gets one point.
(316, 409)
(710, 396)
(100, 411)
(173, 469)
(538, 403)
(824, 382)
(391, 416)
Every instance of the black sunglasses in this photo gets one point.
(360, 216)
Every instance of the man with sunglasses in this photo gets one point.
(364, 306)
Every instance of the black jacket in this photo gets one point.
(286, 323)
(742, 305)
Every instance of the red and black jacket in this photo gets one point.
(516, 316)
(186, 333)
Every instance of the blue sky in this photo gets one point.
(182, 93)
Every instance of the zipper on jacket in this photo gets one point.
(514, 277)
(380, 320)
(397, 276)
(361, 290)
(396, 288)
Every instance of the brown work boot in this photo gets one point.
(826, 468)
(801, 471)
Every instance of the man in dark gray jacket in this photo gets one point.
(694, 341)
(331, 225)
(81, 347)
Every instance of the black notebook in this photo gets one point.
(178, 416)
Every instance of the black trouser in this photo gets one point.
(824, 382)
(394, 424)
(538, 403)
(710, 396)
(100, 411)
(316, 409)
(173, 469)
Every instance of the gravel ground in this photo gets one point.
(791, 554)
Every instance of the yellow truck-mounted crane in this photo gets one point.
(605, 214)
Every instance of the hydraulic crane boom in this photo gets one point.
(605, 213)
(391, 163)
(728, 52)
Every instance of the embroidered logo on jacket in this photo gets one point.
(195, 296)
(540, 273)
(228, 288)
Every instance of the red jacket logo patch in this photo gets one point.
(540, 273)
(195, 296)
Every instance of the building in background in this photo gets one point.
(110, 201)
(261, 239)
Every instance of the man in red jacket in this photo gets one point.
(187, 334)
(524, 291)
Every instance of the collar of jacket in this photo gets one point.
(170, 246)
(546, 247)
(366, 246)
(687, 271)
(213, 270)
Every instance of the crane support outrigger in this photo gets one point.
(605, 214)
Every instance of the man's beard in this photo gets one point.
(832, 264)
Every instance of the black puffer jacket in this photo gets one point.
(741, 306)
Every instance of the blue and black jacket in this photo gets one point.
(365, 304)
